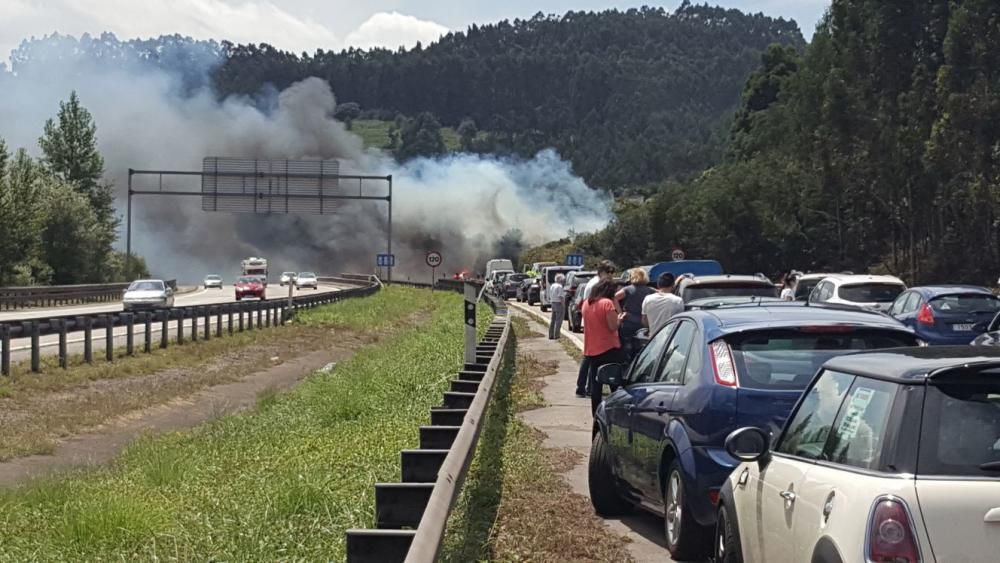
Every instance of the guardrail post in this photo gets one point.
(260, 315)
(218, 322)
(148, 322)
(180, 326)
(208, 323)
(129, 320)
(35, 352)
(63, 357)
(231, 320)
(88, 338)
(239, 310)
(109, 338)
(249, 316)
(470, 323)
(194, 325)
(164, 328)
(4, 349)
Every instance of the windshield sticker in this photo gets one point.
(860, 400)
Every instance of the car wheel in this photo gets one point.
(604, 494)
(686, 539)
(727, 539)
(545, 309)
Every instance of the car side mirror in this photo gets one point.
(748, 444)
(612, 375)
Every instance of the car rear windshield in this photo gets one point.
(960, 433)
(551, 274)
(307, 275)
(146, 286)
(248, 279)
(788, 358)
(870, 292)
(579, 280)
(804, 287)
(213, 277)
(966, 303)
(725, 290)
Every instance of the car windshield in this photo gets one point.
(870, 292)
(701, 291)
(804, 287)
(579, 280)
(788, 358)
(213, 278)
(966, 303)
(516, 277)
(309, 275)
(551, 274)
(960, 432)
(149, 285)
(288, 274)
(248, 279)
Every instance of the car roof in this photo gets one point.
(149, 280)
(698, 280)
(917, 365)
(818, 276)
(842, 279)
(729, 300)
(723, 321)
(931, 291)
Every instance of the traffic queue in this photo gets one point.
(831, 417)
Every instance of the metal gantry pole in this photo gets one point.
(128, 227)
(389, 241)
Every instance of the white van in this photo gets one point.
(496, 265)
(548, 276)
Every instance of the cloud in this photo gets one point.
(392, 29)
(240, 21)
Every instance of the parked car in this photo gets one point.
(805, 283)
(547, 277)
(498, 265)
(529, 291)
(575, 281)
(213, 281)
(946, 314)
(249, 286)
(148, 294)
(875, 292)
(690, 288)
(510, 284)
(658, 440)
(888, 456)
(306, 279)
(286, 278)
(728, 300)
(991, 336)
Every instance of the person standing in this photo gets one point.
(657, 308)
(601, 344)
(788, 289)
(631, 298)
(605, 271)
(557, 294)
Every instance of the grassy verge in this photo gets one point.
(283, 482)
(515, 506)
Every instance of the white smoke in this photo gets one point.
(459, 205)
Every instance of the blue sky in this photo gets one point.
(305, 25)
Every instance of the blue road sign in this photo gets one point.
(386, 260)
(574, 259)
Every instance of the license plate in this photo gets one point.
(962, 328)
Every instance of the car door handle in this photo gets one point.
(992, 516)
(789, 496)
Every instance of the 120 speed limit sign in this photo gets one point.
(434, 259)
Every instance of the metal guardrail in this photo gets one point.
(55, 295)
(233, 317)
(411, 516)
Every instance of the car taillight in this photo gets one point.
(890, 534)
(722, 361)
(925, 316)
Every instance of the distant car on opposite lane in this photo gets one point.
(946, 314)
(250, 287)
(874, 292)
(658, 441)
(213, 281)
(286, 278)
(148, 294)
(306, 279)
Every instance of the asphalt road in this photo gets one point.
(49, 345)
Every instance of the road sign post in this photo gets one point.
(387, 261)
(433, 259)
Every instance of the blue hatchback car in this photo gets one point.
(946, 314)
(658, 440)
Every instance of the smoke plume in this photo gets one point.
(150, 118)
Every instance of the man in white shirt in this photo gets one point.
(556, 301)
(658, 307)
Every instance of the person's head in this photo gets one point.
(665, 282)
(638, 276)
(605, 269)
(560, 279)
(605, 289)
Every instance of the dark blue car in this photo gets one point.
(659, 438)
(946, 314)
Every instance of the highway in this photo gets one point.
(49, 344)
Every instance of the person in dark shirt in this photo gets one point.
(630, 299)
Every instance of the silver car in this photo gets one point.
(287, 278)
(306, 279)
(213, 281)
(148, 294)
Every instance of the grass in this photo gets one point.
(515, 506)
(571, 348)
(375, 133)
(522, 329)
(281, 483)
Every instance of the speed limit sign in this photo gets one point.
(434, 259)
(677, 254)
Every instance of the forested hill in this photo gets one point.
(629, 97)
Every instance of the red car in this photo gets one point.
(249, 286)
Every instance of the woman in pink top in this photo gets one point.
(601, 344)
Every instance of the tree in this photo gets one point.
(420, 136)
(21, 216)
(347, 112)
(69, 149)
(71, 236)
(467, 132)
